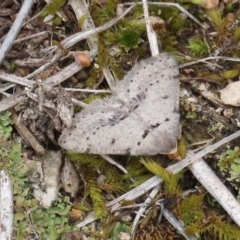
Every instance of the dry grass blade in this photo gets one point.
(6, 207)
(216, 188)
(204, 60)
(12, 34)
(172, 5)
(152, 37)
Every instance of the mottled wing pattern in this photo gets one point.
(140, 118)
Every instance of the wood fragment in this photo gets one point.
(9, 102)
(26, 134)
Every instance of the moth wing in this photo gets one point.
(140, 119)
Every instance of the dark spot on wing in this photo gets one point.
(150, 84)
(87, 138)
(166, 119)
(113, 141)
(139, 143)
(146, 132)
(165, 96)
(122, 118)
(94, 133)
(128, 90)
(135, 106)
(155, 125)
(140, 96)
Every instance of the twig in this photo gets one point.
(8, 42)
(175, 223)
(80, 9)
(6, 206)
(113, 162)
(203, 60)
(36, 35)
(67, 72)
(78, 103)
(46, 65)
(12, 101)
(73, 39)
(86, 90)
(15, 79)
(152, 37)
(143, 209)
(2, 90)
(216, 188)
(26, 134)
(111, 80)
(171, 5)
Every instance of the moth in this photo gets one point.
(141, 117)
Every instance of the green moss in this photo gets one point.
(129, 39)
(216, 16)
(171, 181)
(198, 47)
(236, 34)
(5, 124)
(101, 13)
(229, 165)
(52, 7)
(190, 209)
(230, 74)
